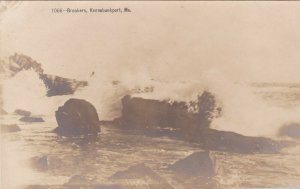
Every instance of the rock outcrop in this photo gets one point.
(291, 130)
(31, 119)
(55, 85)
(22, 112)
(149, 113)
(61, 86)
(10, 128)
(197, 164)
(140, 173)
(229, 141)
(77, 117)
(19, 62)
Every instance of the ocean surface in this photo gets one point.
(114, 150)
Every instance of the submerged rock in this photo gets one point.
(77, 117)
(22, 112)
(39, 163)
(197, 164)
(45, 163)
(31, 119)
(142, 174)
(292, 130)
(10, 128)
(233, 142)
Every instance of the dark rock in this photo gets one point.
(32, 119)
(22, 112)
(291, 130)
(55, 85)
(233, 142)
(77, 117)
(45, 163)
(61, 86)
(148, 113)
(142, 174)
(197, 164)
(39, 163)
(10, 128)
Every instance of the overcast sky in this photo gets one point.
(243, 41)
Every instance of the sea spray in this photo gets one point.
(243, 111)
(26, 91)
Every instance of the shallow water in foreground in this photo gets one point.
(114, 151)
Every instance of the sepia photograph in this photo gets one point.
(150, 94)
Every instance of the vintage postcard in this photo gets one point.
(150, 94)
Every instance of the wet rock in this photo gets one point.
(39, 163)
(61, 86)
(197, 164)
(10, 128)
(77, 117)
(142, 174)
(31, 119)
(233, 142)
(45, 163)
(22, 112)
(55, 85)
(148, 113)
(291, 130)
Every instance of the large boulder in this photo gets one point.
(77, 117)
(148, 113)
(291, 130)
(197, 164)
